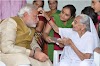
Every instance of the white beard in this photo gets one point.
(31, 24)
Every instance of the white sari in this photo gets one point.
(86, 44)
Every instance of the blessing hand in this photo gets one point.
(67, 41)
(43, 13)
(49, 40)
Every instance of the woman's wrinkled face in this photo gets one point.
(65, 14)
(96, 5)
(52, 4)
(77, 25)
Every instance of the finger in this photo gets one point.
(39, 9)
(51, 40)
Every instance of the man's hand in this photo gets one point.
(31, 53)
(39, 55)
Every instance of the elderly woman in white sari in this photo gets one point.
(79, 42)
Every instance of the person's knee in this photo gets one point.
(15, 59)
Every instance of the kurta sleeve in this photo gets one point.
(34, 44)
(8, 37)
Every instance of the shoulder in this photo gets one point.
(58, 11)
(65, 30)
(56, 14)
(88, 36)
(9, 21)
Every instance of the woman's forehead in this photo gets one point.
(77, 18)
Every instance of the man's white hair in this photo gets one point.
(27, 8)
(85, 19)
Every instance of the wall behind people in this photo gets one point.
(79, 4)
(10, 8)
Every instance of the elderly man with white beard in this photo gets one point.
(18, 46)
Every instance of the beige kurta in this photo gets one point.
(14, 52)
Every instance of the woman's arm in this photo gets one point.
(40, 26)
(81, 55)
(46, 32)
(52, 24)
(49, 20)
(97, 50)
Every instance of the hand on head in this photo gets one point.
(41, 11)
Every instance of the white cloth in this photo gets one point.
(95, 35)
(25, 65)
(85, 44)
(2, 64)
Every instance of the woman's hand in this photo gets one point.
(97, 50)
(43, 13)
(65, 41)
(49, 40)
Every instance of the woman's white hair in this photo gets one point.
(27, 8)
(85, 19)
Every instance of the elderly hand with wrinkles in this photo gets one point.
(65, 41)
